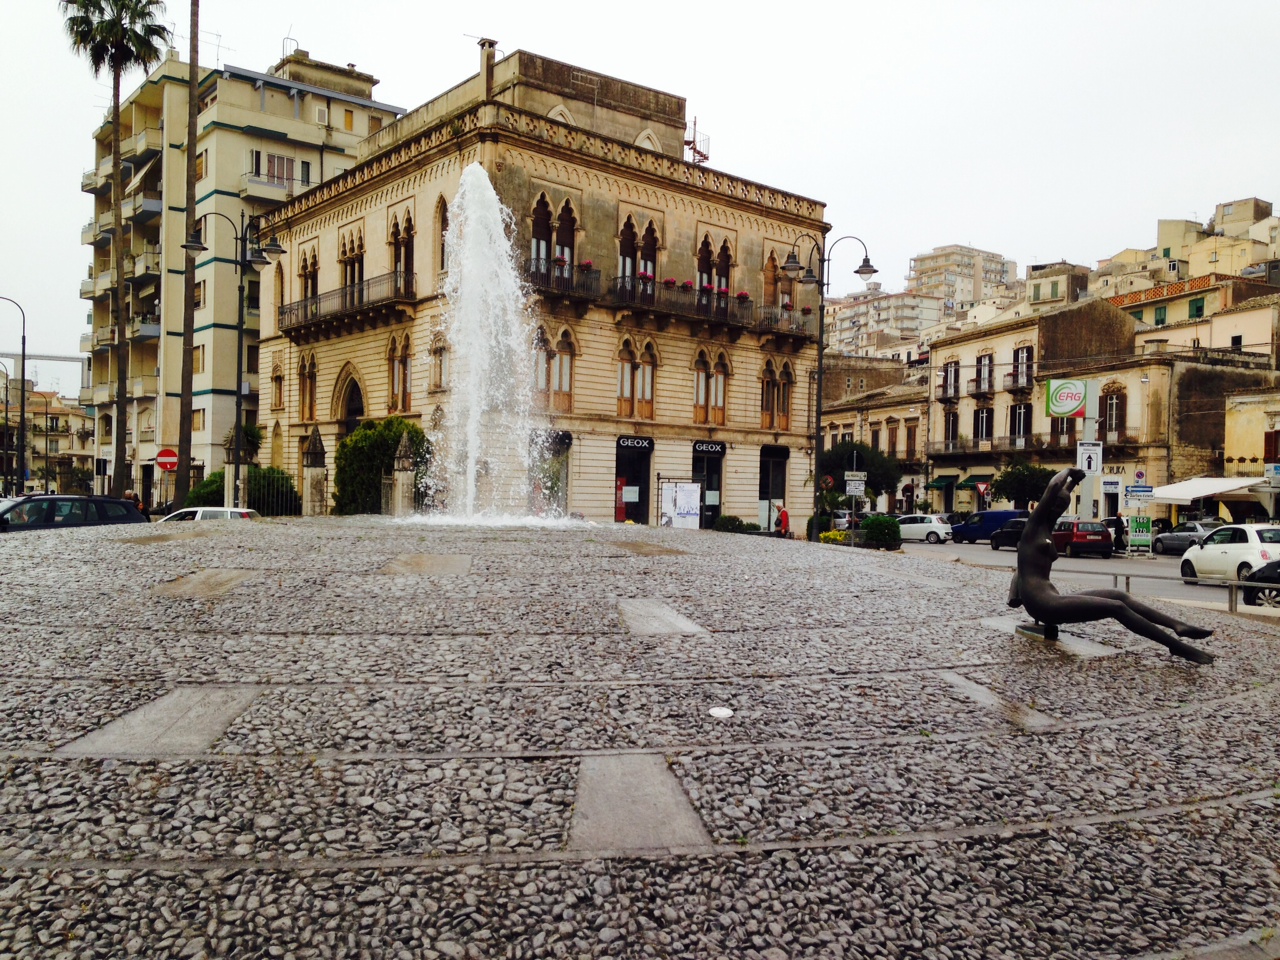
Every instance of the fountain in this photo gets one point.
(485, 452)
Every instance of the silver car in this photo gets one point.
(1184, 535)
(924, 526)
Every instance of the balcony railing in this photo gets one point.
(369, 299)
(948, 390)
(1019, 380)
(264, 187)
(146, 327)
(982, 386)
(784, 321)
(1026, 441)
(707, 305)
(547, 276)
(144, 387)
(104, 334)
(959, 445)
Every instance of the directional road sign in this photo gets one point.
(855, 488)
(855, 475)
(1089, 456)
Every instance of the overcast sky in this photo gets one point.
(1038, 130)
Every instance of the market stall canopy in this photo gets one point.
(1185, 492)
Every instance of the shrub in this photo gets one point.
(880, 531)
(834, 536)
(270, 491)
(730, 524)
(368, 455)
(208, 492)
(750, 527)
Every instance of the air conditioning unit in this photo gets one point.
(322, 115)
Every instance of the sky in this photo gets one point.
(1039, 131)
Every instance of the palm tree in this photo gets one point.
(182, 481)
(117, 35)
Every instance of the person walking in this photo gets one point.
(783, 523)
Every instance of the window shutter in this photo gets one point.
(1271, 446)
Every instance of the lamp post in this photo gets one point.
(45, 398)
(259, 256)
(22, 400)
(791, 267)
(8, 378)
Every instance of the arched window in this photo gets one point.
(307, 388)
(278, 287)
(768, 396)
(439, 364)
(542, 357)
(442, 221)
(626, 380)
(405, 258)
(771, 281)
(406, 375)
(644, 382)
(701, 388)
(723, 262)
(649, 251)
(393, 377)
(562, 375)
(277, 446)
(540, 246)
(566, 232)
(786, 383)
(627, 257)
(104, 426)
(277, 388)
(719, 387)
(1114, 409)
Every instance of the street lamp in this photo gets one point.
(792, 267)
(22, 400)
(45, 398)
(8, 379)
(261, 255)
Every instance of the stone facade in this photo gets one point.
(606, 210)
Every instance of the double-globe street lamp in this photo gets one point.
(22, 401)
(792, 268)
(258, 256)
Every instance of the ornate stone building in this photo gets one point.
(669, 343)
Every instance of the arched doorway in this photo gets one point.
(353, 409)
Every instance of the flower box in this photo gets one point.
(786, 305)
(707, 288)
(806, 310)
(584, 265)
(669, 282)
(687, 285)
(646, 277)
(743, 295)
(559, 261)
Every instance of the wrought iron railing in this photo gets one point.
(562, 278)
(982, 386)
(387, 288)
(948, 390)
(1019, 379)
(786, 321)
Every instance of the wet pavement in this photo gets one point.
(363, 738)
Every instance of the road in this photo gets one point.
(1087, 571)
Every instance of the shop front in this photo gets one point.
(631, 479)
(946, 487)
(708, 470)
(773, 483)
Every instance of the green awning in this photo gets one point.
(941, 483)
(968, 483)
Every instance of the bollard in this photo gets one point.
(1231, 597)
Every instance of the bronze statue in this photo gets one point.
(1032, 590)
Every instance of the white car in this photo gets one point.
(1232, 552)
(211, 513)
(924, 526)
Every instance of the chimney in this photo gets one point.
(486, 66)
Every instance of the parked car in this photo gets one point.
(1232, 552)
(980, 525)
(1009, 534)
(1267, 593)
(1076, 537)
(840, 519)
(211, 513)
(49, 511)
(1184, 535)
(928, 527)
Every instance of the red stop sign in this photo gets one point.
(167, 459)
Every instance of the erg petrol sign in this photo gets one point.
(1065, 398)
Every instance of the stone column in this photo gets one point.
(402, 479)
(315, 478)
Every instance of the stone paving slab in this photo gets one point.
(403, 779)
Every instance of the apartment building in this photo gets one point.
(956, 274)
(668, 340)
(865, 321)
(263, 137)
(894, 421)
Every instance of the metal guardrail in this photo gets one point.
(1233, 586)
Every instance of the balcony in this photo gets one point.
(103, 283)
(86, 396)
(140, 387)
(365, 306)
(89, 181)
(147, 436)
(702, 307)
(256, 186)
(947, 391)
(104, 393)
(104, 336)
(107, 223)
(142, 267)
(143, 145)
(777, 320)
(89, 233)
(142, 206)
(1019, 381)
(939, 448)
(1026, 441)
(145, 327)
(86, 343)
(983, 386)
(562, 280)
(86, 288)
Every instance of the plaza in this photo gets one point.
(367, 738)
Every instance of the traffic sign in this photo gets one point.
(167, 459)
(1089, 456)
(855, 488)
(1138, 493)
(982, 488)
(855, 475)
(1139, 475)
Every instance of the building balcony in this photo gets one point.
(142, 207)
(89, 233)
(984, 386)
(145, 327)
(777, 320)
(563, 281)
(107, 223)
(86, 396)
(1026, 441)
(364, 306)
(1019, 381)
(140, 387)
(103, 283)
(89, 182)
(147, 436)
(86, 343)
(86, 288)
(255, 186)
(942, 448)
(143, 145)
(142, 267)
(104, 336)
(948, 391)
(103, 393)
(654, 299)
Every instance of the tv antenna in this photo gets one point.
(699, 147)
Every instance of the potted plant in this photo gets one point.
(584, 265)
(707, 288)
(669, 282)
(786, 304)
(559, 261)
(647, 277)
(686, 286)
(743, 296)
(806, 310)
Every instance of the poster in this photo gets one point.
(681, 505)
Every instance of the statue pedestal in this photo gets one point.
(1037, 631)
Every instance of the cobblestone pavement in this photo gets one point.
(362, 738)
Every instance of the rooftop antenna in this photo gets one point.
(284, 45)
(699, 146)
